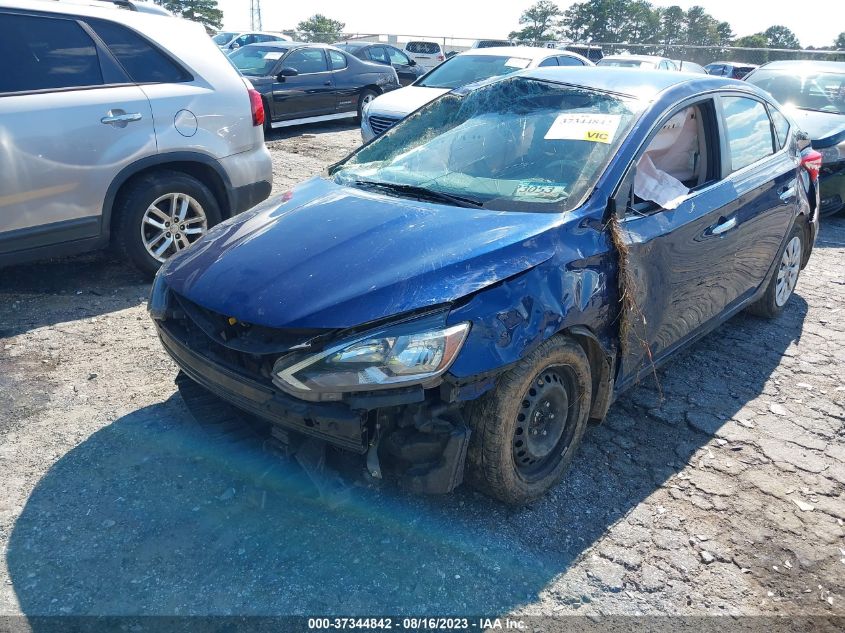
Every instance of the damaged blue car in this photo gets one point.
(459, 298)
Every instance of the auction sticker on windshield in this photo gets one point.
(541, 190)
(273, 55)
(598, 128)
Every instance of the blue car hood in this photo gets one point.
(335, 257)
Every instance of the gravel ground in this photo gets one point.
(725, 498)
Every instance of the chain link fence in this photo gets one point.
(699, 54)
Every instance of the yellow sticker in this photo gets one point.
(597, 128)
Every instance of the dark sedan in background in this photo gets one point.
(734, 70)
(307, 83)
(406, 68)
(814, 94)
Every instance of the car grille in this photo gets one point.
(381, 123)
(248, 349)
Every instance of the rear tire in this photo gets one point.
(783, 282)
(147, 229)
(519, 447)
(367, 95)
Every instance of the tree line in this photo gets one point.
(648, 28)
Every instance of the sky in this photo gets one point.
(815, 23)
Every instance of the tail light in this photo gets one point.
(441, 57)
(257, 107)
(811, 160)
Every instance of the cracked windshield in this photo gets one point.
(519, 144)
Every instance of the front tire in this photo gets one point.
(783, 282)
(161, 214)
(527, 429)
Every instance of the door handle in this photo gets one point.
(723, 226)
(119, 118)
(327, 83)
(787, 193)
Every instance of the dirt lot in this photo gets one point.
(726, 498)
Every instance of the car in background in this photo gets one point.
(465, 68)
(813, 92)
(645, 62)
(491, 43)
(592, 52)
(229, 41)
(121, 128)
(308, 83)
(689, 67)
(426, 54)
(406, 68)
(464, 309)
(734, 70)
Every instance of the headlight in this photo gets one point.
(833, 154)
(416, 352)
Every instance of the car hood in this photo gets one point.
(327, 256)
(405, 100)
(824, 128)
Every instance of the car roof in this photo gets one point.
(640, 58)
(795, 64)
(533, 52)
(81, 7)
(641, 84)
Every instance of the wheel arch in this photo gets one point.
(201, 166)
(602, 364)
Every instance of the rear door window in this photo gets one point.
(45, 54)
(748, 129)
(142, 61)
(338, 60)
(549, 61)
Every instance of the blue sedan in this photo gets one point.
(460, 297)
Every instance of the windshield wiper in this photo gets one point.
(417, 192)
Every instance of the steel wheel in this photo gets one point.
(171, 223)
(790, 266)
(542, 432)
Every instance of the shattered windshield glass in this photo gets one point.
(516, 145)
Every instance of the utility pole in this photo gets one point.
(255, 15)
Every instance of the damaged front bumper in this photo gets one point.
(411, 434)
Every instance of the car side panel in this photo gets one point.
(58, 159)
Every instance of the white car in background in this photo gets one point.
(426, 54)
(647, 62)
(468, 67)
(229, 41)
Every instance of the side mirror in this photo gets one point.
(234, 45)
(412, 62)
(287, 71)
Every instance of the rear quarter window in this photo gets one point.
(142, 60)
(45, 54)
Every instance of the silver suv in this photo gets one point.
(119, 127)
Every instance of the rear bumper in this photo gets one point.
(336, 424)
(250, 174)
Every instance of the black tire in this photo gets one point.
(498, 421)
(768, 306)
(366, 94)
(138, 196)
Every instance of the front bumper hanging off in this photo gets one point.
(419, 439)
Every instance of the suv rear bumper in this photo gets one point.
(250, 175)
